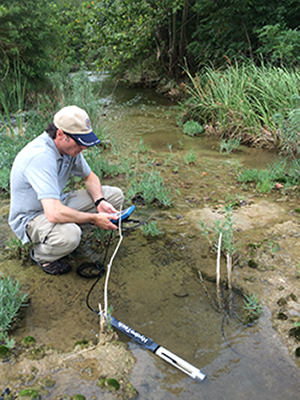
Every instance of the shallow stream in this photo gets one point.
(154, 285)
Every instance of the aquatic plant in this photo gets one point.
(253, 307)
(297, 324)
(222, 231)
(17, 249)
(150, 189)
(142, 147)
(192, 128)
(27, 394)
(101, 235)
(11, 300)
(283, 172)
(109, 383)
(224, 226)
(151, 229)
(28, 341)
(79, 397)
(5, 352)
(190, 158)
(9, 148)
(229, 145)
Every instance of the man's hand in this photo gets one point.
(106, 207)
(103, 221)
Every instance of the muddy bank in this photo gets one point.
(93, 370)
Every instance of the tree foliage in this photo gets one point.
(28, 34)
(125, 34)
(230, 27)
(145, 36)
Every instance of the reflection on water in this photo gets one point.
(154, 285)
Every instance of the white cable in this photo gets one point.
(109, 266)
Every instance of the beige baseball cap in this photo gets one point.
(76, 122)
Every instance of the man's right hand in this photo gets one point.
(103, 221)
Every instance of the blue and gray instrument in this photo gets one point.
(163, 353)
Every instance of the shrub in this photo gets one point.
(11, 299)
(150, 189)
(151, 229)
(192, 128)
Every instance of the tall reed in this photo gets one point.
(242, 99)
(12, 96)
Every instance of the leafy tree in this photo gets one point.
(73, 19)
(229, 27)
(128, 35)
(279, 45)
(28, 34)
(120, 34)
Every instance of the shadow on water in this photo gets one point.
(154, 285)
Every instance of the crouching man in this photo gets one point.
(39, 210)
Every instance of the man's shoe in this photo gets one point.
(57, 267)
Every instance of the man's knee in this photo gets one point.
(119, 199)
(71, 236)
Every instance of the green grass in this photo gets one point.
(243, 101)
(284, 172)
(253, 307)
(230, 145)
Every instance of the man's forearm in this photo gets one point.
(93, 186)
(58, 213)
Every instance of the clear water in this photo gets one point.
(154, 285)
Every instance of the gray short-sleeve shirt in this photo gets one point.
(39, 172)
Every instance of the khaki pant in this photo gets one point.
(54, 241)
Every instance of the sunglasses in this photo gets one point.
(72, 137)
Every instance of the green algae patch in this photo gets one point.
(110, 384)
(5, 353)
(28, 394)
(28, 341)
(78, 397)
